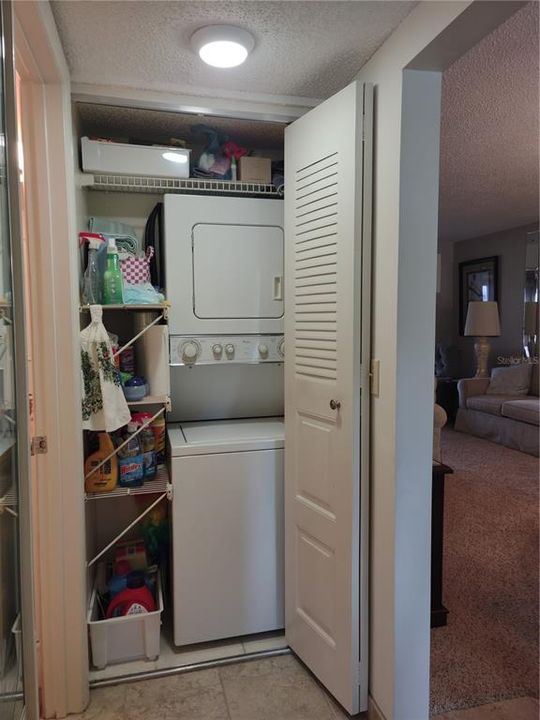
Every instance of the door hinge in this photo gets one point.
(39, 445)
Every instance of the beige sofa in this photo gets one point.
(510, 420)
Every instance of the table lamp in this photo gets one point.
(530, 328)
(482, 322)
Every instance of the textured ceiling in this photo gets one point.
(157, 126)
(489, 133)
(307, 49)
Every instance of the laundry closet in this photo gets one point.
(252, 527)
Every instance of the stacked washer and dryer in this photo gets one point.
(224, 276)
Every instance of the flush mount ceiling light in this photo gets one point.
(222, 46)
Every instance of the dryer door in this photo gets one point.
(224, 265)
(237, 271)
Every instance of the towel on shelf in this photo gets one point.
(104, 406)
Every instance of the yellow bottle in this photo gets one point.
(105, 479)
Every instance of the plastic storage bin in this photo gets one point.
(124, 159)
(122, 639)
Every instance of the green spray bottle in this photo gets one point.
(113, 287)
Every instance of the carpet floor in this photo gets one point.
(489, 649)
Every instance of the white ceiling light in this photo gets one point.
(222, 46)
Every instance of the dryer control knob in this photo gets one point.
(229, 350)
(281, 347)
(190, 351)
(263, 350)
(217, 350)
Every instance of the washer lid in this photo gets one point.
(220, 436)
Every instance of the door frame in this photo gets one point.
(23, 466)
(58, 521)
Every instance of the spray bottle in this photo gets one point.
(113, 290)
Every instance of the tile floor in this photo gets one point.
(278, 688)
(269, 689)
(172, 657)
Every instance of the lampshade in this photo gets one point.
(530, 319)
(482, 319)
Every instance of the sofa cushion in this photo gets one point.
(490, 404)
(526, 410)
(513, 380)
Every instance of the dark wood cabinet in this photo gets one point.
(438, 611)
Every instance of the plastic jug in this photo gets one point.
(106, 478)
(136, 599)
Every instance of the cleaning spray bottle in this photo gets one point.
(113, 288)
(92, 277)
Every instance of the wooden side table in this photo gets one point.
(438, 611)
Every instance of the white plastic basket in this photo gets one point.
(126, 638)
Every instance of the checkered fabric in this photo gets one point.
(136, 269)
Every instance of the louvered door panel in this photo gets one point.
(315, 247)
(323, 250)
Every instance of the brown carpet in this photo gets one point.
(489, 649)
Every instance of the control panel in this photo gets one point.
(222, 349)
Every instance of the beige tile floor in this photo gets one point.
(278, 688)
(173, 657)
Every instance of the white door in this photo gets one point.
(327, 262)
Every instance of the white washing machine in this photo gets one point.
(227, 528)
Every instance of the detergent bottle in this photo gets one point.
(106, 478)
(136, 599)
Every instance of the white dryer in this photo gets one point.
(224, 265)
(227, 528)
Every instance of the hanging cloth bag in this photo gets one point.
(104, 406)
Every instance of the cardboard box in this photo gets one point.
(255, 170)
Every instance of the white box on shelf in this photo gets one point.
(123, 159)
(126, 638)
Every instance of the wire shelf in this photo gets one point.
(160, 307)
(158, 485)
(141, 184)
(152, 400)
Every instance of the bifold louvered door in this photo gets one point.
(327, 268)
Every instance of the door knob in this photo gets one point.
(335, 404)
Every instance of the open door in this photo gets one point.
(328, 268)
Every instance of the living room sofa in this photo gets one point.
(510, 419)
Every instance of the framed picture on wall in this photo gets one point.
(479, 281)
